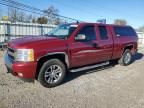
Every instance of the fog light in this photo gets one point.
(20, 74)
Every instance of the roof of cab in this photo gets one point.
(85, 23)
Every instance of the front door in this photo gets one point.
(82, 51)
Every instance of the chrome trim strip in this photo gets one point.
(86, 51)
(89, 67)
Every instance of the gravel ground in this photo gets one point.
(114, 87)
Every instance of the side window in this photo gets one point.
(89, 32)
(103, 32)
(124, 31)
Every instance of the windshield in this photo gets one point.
(62, 31)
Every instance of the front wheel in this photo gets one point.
(52, 73)
(126, 58)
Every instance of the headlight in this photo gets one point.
(24, 55)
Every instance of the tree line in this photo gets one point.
(49, 17)
(124, 22)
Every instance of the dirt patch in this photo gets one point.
(114, 87)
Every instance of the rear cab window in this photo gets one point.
(124, 31)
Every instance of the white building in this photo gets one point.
(141, 38)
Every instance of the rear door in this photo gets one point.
(105, 43)
(123, 36)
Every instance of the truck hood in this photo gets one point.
(31, 41)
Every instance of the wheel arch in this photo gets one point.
(62, 56)
(129, 46)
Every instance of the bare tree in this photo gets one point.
(13, 14)
(34, 19)
(57, 21)
(52, 14)
(20, 16)
(28, 18)
(120, 22)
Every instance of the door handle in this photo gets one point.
(95, 45)
(107, 46)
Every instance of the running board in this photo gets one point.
(89, 67)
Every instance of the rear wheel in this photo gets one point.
(126, 58)
(52, 73)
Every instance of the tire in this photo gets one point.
(52, 73)
(126, 58)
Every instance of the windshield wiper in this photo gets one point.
(50, 35)
(60, 37)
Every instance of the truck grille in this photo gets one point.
(11, 52)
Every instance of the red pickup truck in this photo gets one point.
(70, 48)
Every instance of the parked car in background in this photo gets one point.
(70, 48)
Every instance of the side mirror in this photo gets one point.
(80, 37)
